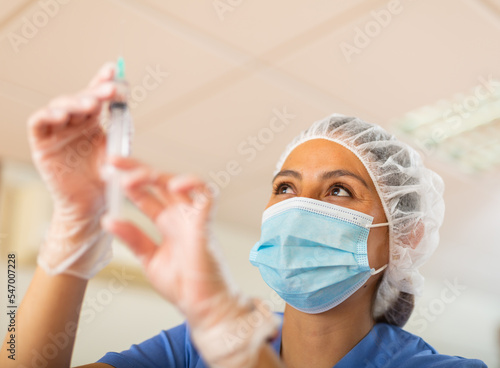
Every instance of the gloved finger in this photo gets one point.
(146, 189)
(69, 110)
(139, 243)
(43, 121)
(78, 108)
(98, 95)
(95, 97)
(184, 186)
(144, 175)
(74, 104)
(139, 176)
(85, 105)
(126, 163)
(191, 191)
(147, 201)
(104, 91)
(89, 98)
(105, 73)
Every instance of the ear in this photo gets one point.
(416, 234)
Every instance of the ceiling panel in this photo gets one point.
(80, 46)
(220, 128)
(9, 10)
(255, 27)
(406, 64)
(171, 63)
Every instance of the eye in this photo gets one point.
(340, 191)
(283, 188)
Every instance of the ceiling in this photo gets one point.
(223, 74)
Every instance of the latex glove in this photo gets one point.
(67, 144)
(184, 267)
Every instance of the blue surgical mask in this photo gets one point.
(313, 253)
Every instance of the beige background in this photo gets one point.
(220, 78)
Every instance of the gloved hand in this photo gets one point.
(67, 143)
(227, 328)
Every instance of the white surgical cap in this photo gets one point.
(411, 194)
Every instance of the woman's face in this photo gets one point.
(326, 171)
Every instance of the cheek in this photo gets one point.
(275, 199)
(272, 201)
(378, 247)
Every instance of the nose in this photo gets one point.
(311, 190)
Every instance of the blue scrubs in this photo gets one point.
(384, 346)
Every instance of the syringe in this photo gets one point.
(119, 138)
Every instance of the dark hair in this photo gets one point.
(400, 311)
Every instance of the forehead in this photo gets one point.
(322, 153)
(317, 156)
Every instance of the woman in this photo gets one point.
(352, 215)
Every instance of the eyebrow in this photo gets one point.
(325, 176)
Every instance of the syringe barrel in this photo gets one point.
(119, 143)
(120, 126)
(120, 131)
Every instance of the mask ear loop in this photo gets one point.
(374, 271)
(377, 225)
